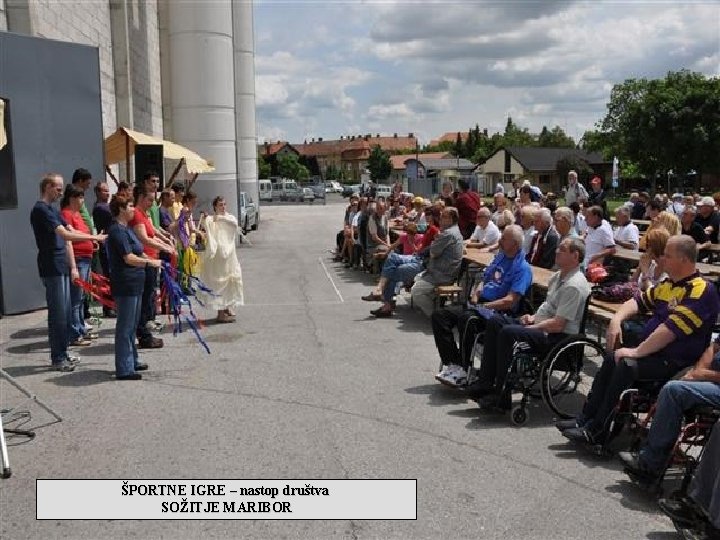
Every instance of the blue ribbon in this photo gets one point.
(177, 298)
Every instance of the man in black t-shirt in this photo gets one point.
(56, 264)
(692, 228)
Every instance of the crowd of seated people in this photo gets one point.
(665, 328)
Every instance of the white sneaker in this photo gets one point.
(446, 372)
(455, 376)
(445, 369)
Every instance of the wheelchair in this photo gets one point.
(687, 451)
(561, 376)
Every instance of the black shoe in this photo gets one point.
(637, 469)
(562, 425)
(680, 510)
(129, 377)
(381, 313)
(496, 403)
(372, 297)
(580, 434)
(109, 314)
(141, 367)
(153, 343)
(477, 390)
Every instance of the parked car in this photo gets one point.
(308, 195)
(351, 190)
(287, 190)
(333, 187)
(319, 190)
(249, 217)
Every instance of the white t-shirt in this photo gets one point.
(597, 239)
(528, 235)
(628, 233)
(488, 236)
(355, 223)
(580, 224)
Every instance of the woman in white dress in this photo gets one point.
(219, 266)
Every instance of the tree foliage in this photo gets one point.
(579, 165)
(289, 166)
(555, 138)
(665, 124)
(379, 164)
(264, 168)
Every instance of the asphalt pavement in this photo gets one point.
(305, 385)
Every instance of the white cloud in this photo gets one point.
(443, 66)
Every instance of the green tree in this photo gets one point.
(289, 166)
(379, 164)
(458, 149)
(264, 168)
(572, 162)
(517, 136)
(555, 138)
(663, 124)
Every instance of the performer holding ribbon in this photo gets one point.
(127, 279)
(219, 266)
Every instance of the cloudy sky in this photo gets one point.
(325, 69)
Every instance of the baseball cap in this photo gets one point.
(706, 201)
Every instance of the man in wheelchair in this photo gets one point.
(696, 512)
(699, 387)
(561, 314)
(504, 282)
(683, 308)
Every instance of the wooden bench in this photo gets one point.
(445, 292)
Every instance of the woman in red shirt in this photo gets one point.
(70, 205)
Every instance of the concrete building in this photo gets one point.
(183, 71)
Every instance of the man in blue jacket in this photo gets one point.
(504, 283)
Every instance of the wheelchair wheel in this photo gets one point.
(567, 374)
(519, 415)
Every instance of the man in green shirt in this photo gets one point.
(151, 181)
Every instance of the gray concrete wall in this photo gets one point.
(144, 39)
(55, 109)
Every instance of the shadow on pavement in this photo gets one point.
(84, 377)
(28, 348)
(634, 497)
(438, 395)
(570, 450)
(23, 371)
(101, 349)
(662, 535)
(26, 333)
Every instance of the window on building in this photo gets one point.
(507, 161)
(8, 184)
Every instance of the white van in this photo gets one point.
(383, 190)
(266, 190)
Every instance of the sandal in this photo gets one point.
(372, 297)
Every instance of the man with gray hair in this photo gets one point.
(446, 253)
(527, 220)
(503, 283)
(545, 241)
(559, 315)
(626, 234)
(486, 234)
(575, 191)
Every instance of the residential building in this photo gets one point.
(539, 165)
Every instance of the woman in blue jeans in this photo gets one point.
(70, 205)
(127, 277)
